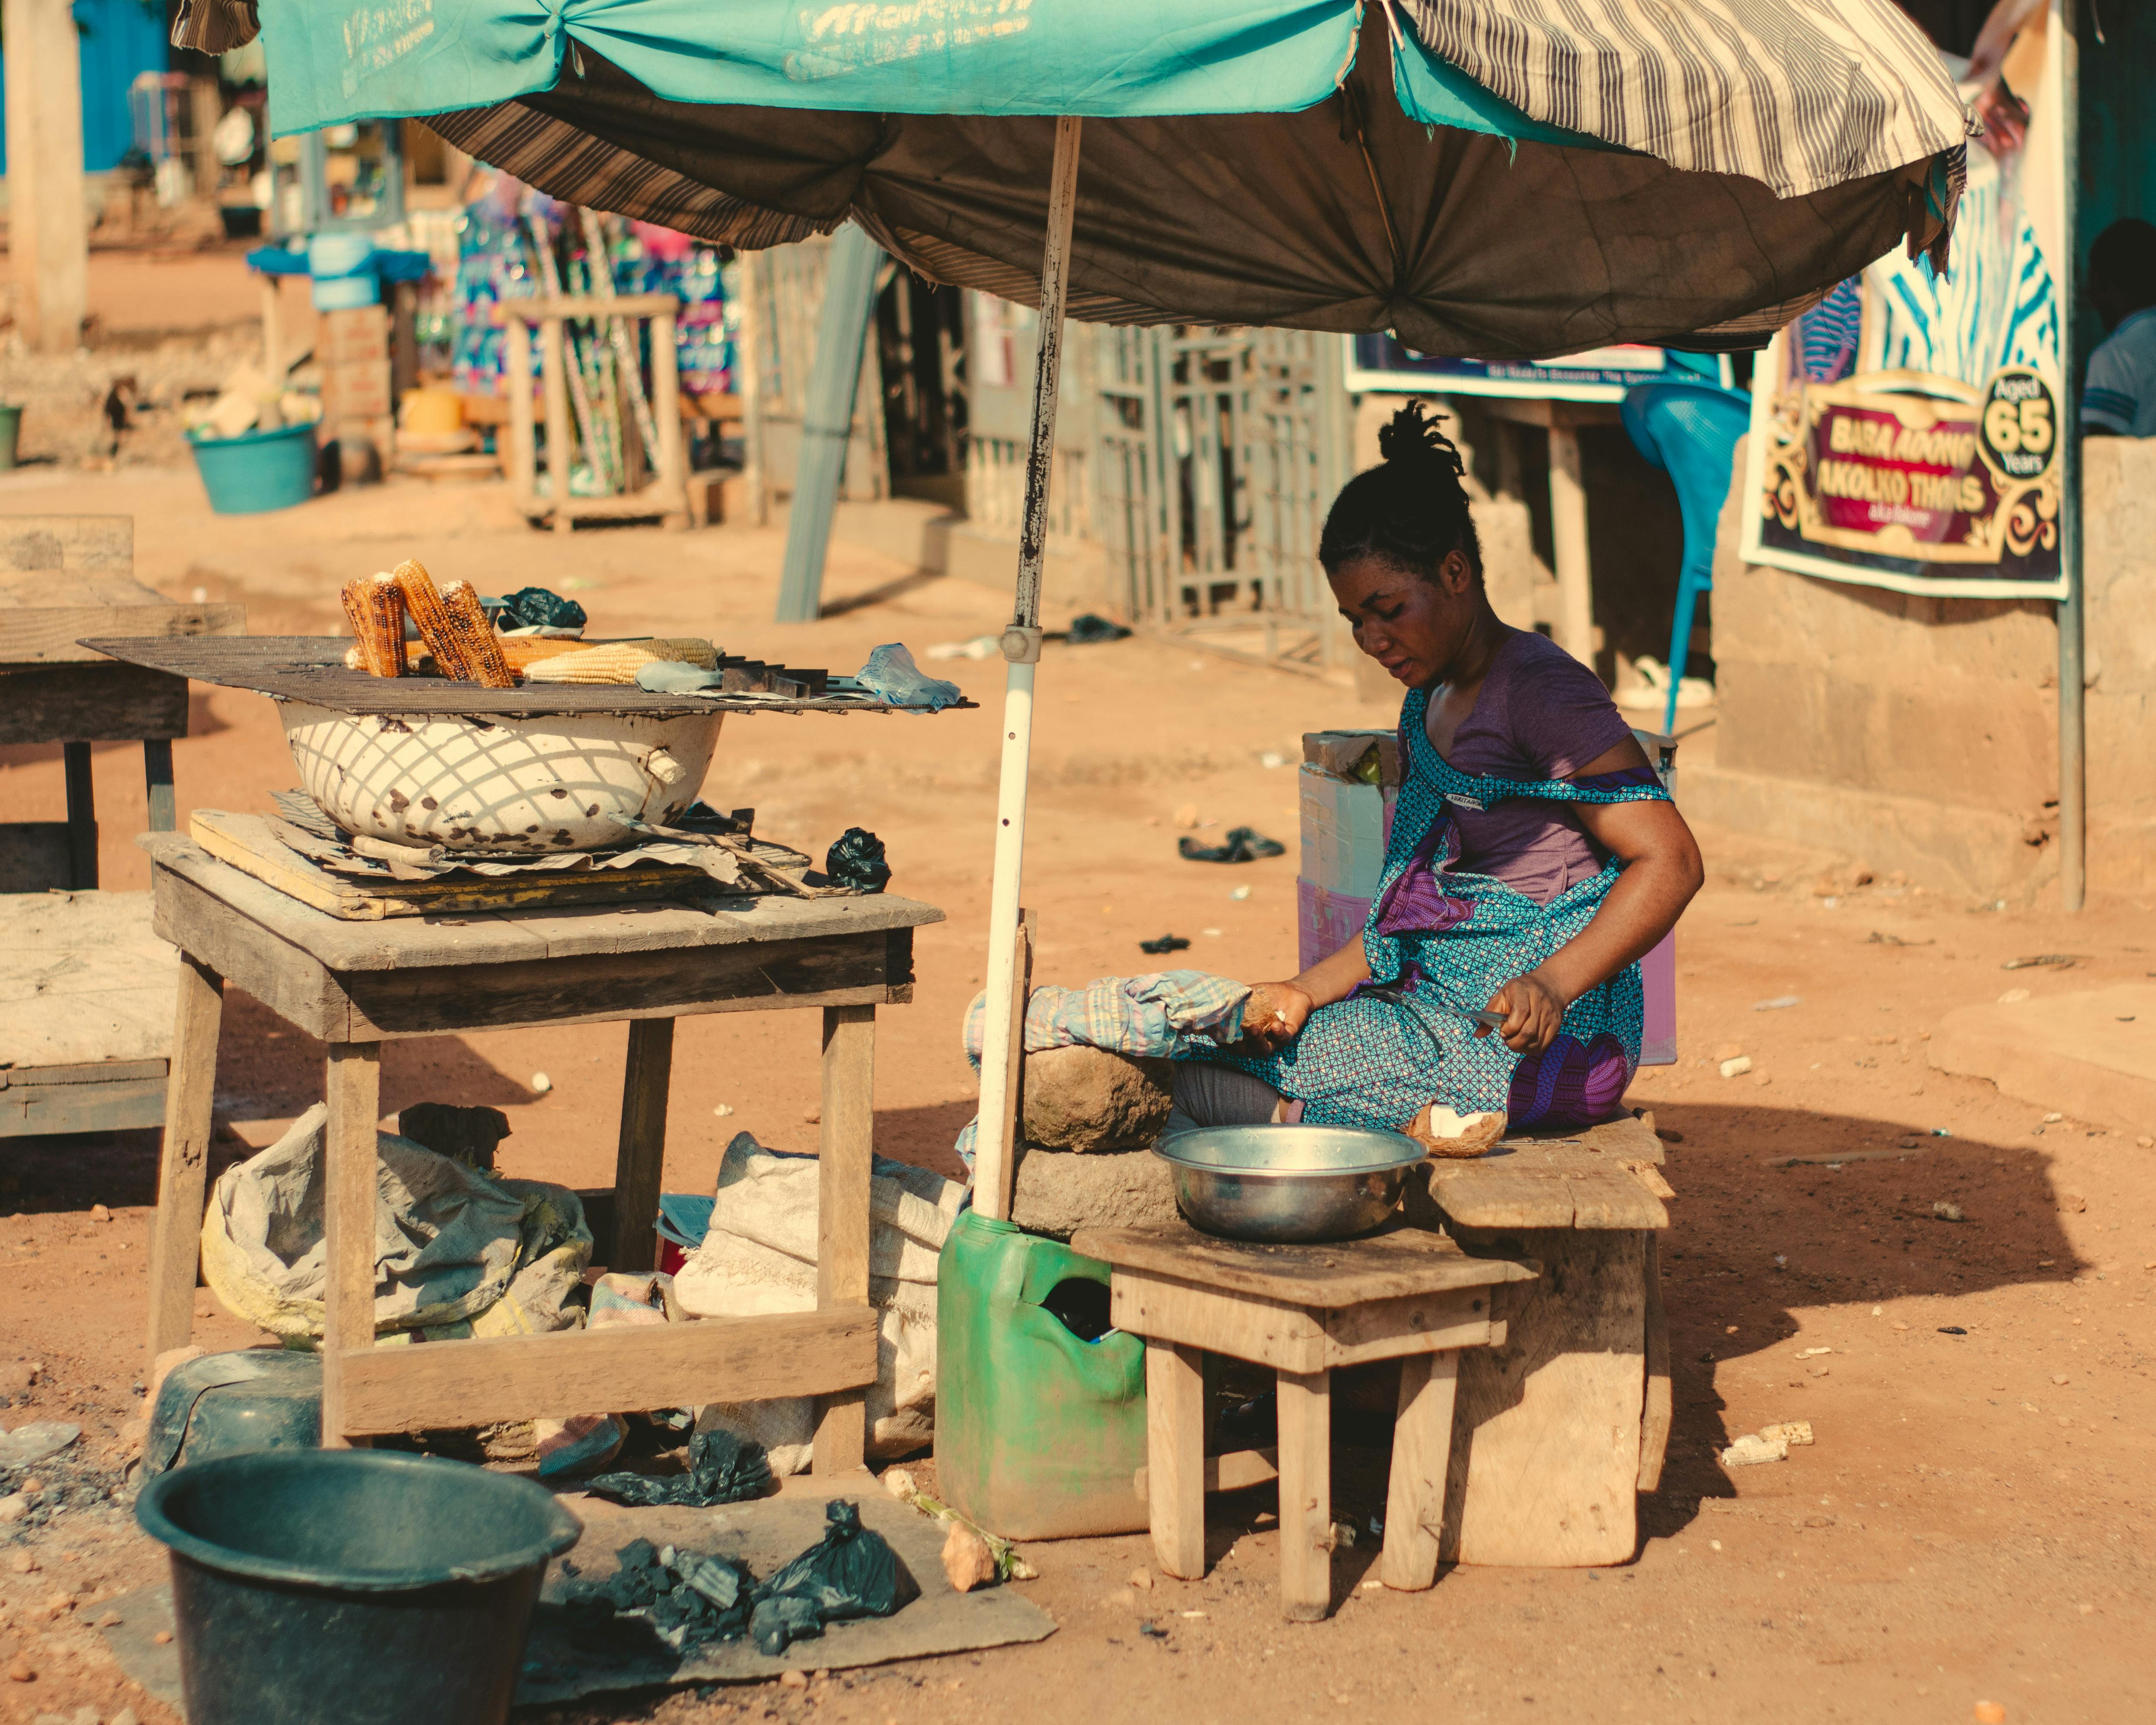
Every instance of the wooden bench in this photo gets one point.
(1563, 1424)
(77, 1053)
(357, 985)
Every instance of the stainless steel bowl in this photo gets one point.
(1287, 1185)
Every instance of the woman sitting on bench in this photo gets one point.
(1534, 858)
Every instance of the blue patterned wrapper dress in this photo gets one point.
(1441, 944)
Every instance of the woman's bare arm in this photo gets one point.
(1276, 1011)
(1662, 871)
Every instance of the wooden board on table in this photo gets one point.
(101, 702)
(250, 843)
(421, 976)
(84, 981)
(63, 577)
(1396, 1262)
(1605, 1177)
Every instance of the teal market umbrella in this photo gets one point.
(1486, 178)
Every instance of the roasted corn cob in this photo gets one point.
(385, 611)
(619, 661)
(377, 625)
(476, 637)
(424, 602)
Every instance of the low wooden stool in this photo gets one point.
(1406, 1294)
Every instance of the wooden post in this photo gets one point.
(1575, 581)
(523, 441)
(349, 1160)
(1175, 1456)
(666, 408)
(273, 332)
(639, 1161)
(1422, 1453)
(845, 1152)
(47, 229)
(553, 350)
(1306, 1494)
(183, 1167)
(748, 381)
(827, 419)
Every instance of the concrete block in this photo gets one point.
(2089, 1053)
(1059, 1192)
(1089, 1100)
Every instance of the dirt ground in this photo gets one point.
(1972, 1524)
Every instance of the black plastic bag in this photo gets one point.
(723, 1468)
(1165, 943)
(857, 861)
(851, 1572)
(1086, 631)
(1245, 845)
(535, 607)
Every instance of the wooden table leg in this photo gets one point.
(639, 1165)
(1175, 1456)
(81, 817)
(157, 777)
(1305, 1495)
(349, 1157)
(182, 1169)
(846, 1152)
(1422, 1451)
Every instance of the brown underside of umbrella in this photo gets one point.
(1347, 217)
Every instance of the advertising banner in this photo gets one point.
(1604, 374)
(1906, 431)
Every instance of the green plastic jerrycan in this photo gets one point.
(1040, 1431)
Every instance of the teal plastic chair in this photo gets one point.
(1690, 432)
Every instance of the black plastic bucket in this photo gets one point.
(347, 1586)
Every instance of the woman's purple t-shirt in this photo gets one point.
(1540, 714)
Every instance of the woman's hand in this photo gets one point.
(1533, 1011)
(1273, 1015)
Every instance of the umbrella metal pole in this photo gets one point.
(993, 1139)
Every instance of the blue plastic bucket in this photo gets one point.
(257, 470)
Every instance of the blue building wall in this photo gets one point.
(119, 38)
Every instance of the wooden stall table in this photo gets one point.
(1562, 1425)
(1406, 1293)
(357, 985)
(82, 1038)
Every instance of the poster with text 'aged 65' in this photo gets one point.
(1906, 431)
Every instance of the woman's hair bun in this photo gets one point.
(1411, 438)
(1411, 509)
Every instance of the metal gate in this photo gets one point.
(1218, 450)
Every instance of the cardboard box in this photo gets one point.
(1344, 828)
(1346, 754)
(356, 392)
(353, 337)
(1325, 922)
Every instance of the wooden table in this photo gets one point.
(82, 1044)
(357, 985)
(1405, 1294)
(1562, 1426)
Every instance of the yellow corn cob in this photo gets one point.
(476, 637)
(385, 615)
(424, 602)
(619, 661)
(523, 651)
